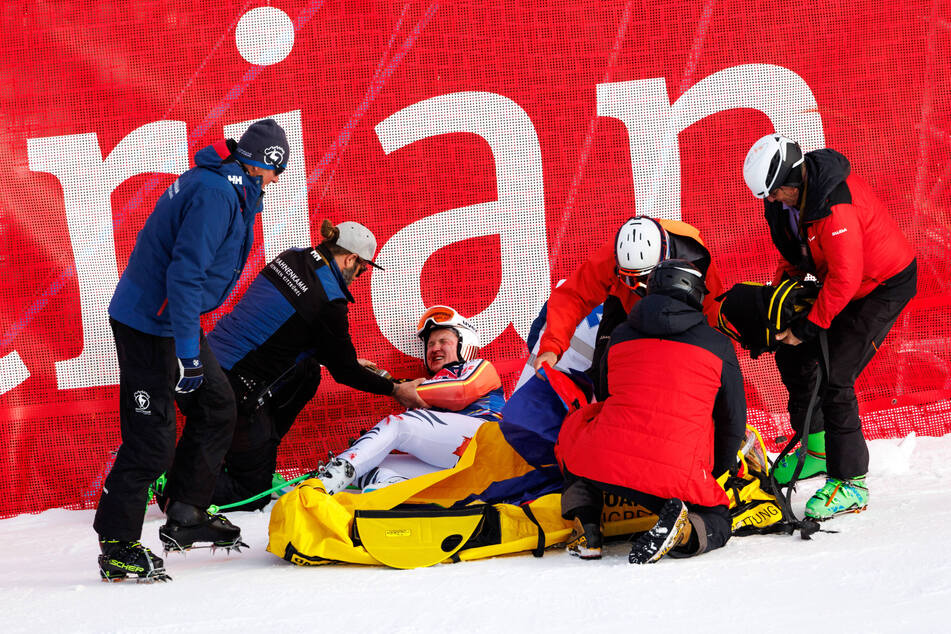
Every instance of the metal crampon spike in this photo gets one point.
(236, 547)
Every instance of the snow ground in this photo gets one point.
(886, 570)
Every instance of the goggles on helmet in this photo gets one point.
(637, 283)
(438, 317)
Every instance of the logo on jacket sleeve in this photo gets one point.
(234, 179)
(142, 402)
(842, 230)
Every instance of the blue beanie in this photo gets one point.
(264, 144)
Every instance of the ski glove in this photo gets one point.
(190, 375)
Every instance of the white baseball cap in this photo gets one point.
(357, 239)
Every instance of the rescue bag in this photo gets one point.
(420, 522)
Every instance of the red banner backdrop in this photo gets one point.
(488, 144)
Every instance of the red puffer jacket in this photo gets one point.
(853, 241)
(677, 410)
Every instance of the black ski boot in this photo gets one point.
(189, 524)
(120, 559)
(672, 529)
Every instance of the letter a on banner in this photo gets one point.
(517, 217)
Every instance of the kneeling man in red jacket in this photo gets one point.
(673, 421)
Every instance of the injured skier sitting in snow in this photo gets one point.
(462, 393)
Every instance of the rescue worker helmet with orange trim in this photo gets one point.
(641, 243)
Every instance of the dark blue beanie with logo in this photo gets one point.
(264, 144)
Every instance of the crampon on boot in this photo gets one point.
(585, 540)
(336, 475)
(671, 530)
(119, 559)
(814, 465)
(188, 525)
(837, 497)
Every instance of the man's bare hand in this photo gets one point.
(546, 357)
(370, 365)
(788, 338)
(406, 394)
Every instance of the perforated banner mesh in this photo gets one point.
(489, 145)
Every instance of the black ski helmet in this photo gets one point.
(678, 279)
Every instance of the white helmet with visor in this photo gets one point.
(641, 243)
(437, 317)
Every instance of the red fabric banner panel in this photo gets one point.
(489, 145)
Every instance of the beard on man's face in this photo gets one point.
(349, 274)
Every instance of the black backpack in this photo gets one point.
(753, 314)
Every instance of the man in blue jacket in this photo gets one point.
(187, 259)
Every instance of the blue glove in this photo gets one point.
(190, 375)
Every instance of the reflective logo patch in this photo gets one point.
(142, 402)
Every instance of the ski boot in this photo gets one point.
(336, 475)
(189, 524)
(585, 540)
(379, 478)
(837, 497)
(120, 559)
(672, 529)
(814, 465)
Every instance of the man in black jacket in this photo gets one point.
(671, 424)
(292, 319)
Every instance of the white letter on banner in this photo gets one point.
(518, 217)
(87, 183)
(284, 221)
(653, 125)
(12, 372)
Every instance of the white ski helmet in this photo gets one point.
(772, 162)
(437, 317)
(641, 243)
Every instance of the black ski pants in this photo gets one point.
(252, 457)
(854, 337)
(584, 499)
(148, 372)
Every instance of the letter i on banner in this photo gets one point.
(517, 217)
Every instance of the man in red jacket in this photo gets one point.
(615, 275)
(672, 424)
(827, 222)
